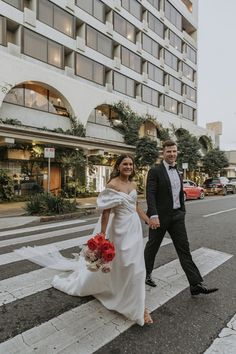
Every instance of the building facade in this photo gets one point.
(77, 58)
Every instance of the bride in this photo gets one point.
(123, 288)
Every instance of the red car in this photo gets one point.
(192, 190)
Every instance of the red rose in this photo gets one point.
(100, 238)
(92, 244)
(108, 255)
(106, 245)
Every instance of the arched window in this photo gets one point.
(34, 96)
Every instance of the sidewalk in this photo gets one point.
(14, 215)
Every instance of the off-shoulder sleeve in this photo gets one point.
(109, 198)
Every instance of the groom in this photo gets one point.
(165, 201)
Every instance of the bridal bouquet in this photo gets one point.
(99, 253)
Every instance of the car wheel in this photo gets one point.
(202, 195)
(185, 197)
(224, 191)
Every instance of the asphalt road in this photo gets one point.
(182, 325)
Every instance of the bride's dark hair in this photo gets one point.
(116, 172)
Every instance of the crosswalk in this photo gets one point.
(85, 327)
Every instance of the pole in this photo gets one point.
(49, 174)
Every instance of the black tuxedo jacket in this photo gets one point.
(159, 193)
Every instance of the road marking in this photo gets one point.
(226, 341)
(23, 285)
(88, 327)
(219, 212)
(42, 236)
(43, 227)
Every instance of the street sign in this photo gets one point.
(185, 165)
(49, 152)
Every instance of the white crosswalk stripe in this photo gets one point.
(27, 284)
(15, 241)
(44, 227)
(96, 325)
(88, 327)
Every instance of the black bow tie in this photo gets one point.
(174, 167)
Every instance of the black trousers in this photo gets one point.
(175, 225)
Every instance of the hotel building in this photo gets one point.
(78, 58)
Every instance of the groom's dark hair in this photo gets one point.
(168, 143)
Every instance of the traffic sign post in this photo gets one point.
(185, 167)
(49, 153)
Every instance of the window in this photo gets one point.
(155, 25)
(15, 96)
(42, 48)
(56, 17)
(155, 74)
(171, 60)
(175, 41)
(16, 3)
(150, 96)
(191, 54)
(188, 112)
(155, 3)
(131, 60)
(89, 69)
(99, 42)
(171, 105)
(188, 72)
(173, 15)
(124, 84)
(150, 46)
(96, 8)
(175, 84)
(2, 31)
(134, 7)
(125, 28)
(37, 97)
(190, 93)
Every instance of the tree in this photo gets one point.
(188, 147)
(6, 186)
(214, 162)
(146, 153)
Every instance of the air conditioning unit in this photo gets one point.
(70, 4)
(117, 4)
(162, 63)
(29, 17)
(145, 77)
(139, 47)
(80, 43)
(109, 28)
(117, 63)
(109, 87)
(145, 26)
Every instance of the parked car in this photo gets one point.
(192, 190)
(218, 185)
(232, 180)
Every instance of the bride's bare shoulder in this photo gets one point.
(113, 185)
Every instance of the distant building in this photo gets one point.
(78, 58)
(231, 169)
(216, 127)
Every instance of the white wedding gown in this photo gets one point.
(123, 289)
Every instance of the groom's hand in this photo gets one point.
(154, 223)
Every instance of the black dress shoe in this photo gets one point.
(149, 281)
(201, 289)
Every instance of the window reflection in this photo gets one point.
(37, 97)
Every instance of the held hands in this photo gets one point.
(154, 223)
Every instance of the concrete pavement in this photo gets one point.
(13, 214)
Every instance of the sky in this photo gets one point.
(217, 67)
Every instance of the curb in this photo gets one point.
(81, 212)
